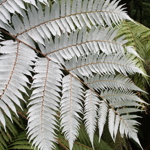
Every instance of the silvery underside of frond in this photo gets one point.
(80, 70)
(15, 63)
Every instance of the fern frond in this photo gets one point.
(102, 64)
(127, 127)
(80, 43)
(15, 63)
(65, 16)
(120, 143)
(102, 145)
(118, 118)
(72, 94)
(120, 82)
(6, 137)
(83, 142)
(116, 121)
(78, 145)
(113, 96)
(44, 104)
(90, 115)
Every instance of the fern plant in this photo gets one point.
(68, 54)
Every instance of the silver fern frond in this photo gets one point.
(71, 106)
(102, 64)
(56, 19)
(15, 63)
(44, 104)
(112, 96)
(106, 82)
(81, 42)
(90, 115)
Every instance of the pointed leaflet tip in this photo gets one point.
(103, 109)
(133, 135)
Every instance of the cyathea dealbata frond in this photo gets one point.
(69, 54)
(15, 63)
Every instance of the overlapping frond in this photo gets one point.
(71, 106)
(106, 82)
(129, 30)
(102, 64)
(140, 42)
(81, 43)
(15, 61)
(140, 39)
(119, 118)
(90, 115)
(114, 96)
(44, 104)
(65, 16)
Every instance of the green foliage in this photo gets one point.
(20, 142)
(140, 41)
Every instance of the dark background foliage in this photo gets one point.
(139, 10)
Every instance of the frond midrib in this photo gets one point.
(112, 42)
(71, 99)
(102, 97)
(42, 106)
(99, 63)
